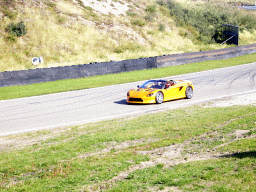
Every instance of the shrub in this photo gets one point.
(88, 8)
(138, 22)
(8, 13)
(11, 38)
(207, 19)
(130, 46)
(164, 11)
(183, 32)
(149, 17)
(51, 4)
(161, 27)
(17, 29)
(151, 9)
(8, 3)
(61, 19)
(131, 13)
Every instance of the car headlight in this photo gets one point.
(128, 94)
(150, 95)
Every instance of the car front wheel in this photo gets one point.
(159, 97)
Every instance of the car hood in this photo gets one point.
(138, 93)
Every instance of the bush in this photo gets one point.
(138, 22)
(130, 46)
(207, 19)
(51, 4)
(11, 38)
(61, 19)
(131, 13)
(149, 17)
(17, 29)
(151, 9)
(7, 3)
(161, 27)
(8, 13)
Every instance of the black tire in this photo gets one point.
(159, 97)
(189, 92)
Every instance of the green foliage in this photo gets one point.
(82, 4)
(162, 3)
(247, 21)
(151, 9)
(207, 19)
(161, 27)
(51, 4)
(139, 22)
(8, 3)
(131, 13)
(11, 38)
(88, 8)
(149, 17)
(130, 46)
(18, 29)
(61, 19)
(164, 11)
(183, 32)
(11, 14)
(88, 14)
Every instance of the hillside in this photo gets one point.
(70, 32)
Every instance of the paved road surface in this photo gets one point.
(83, 106)
(250, 7)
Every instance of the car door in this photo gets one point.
(174, 92)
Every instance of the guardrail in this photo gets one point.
(219, 54)
(39, 75)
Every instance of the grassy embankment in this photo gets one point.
(191, 149)
(111, 79)
(66, 33)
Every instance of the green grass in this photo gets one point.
(87, 157)
(112, 79)
(224, 174)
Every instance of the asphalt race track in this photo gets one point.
(83, 106)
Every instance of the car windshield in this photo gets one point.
(153, 84)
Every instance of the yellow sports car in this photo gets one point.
(158, 91)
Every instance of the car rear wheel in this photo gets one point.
(159, 97)
(189, 92)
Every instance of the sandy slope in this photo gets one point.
(107, 6)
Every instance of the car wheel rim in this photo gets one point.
(189, 92)
(160, 98)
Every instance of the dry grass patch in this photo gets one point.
(70, 33)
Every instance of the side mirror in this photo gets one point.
(138, 86)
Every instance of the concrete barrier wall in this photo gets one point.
(24, 77)
(31, 76)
